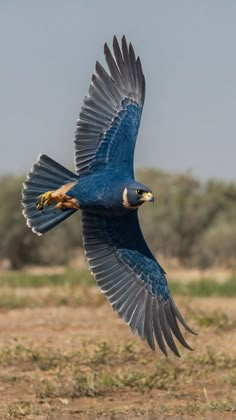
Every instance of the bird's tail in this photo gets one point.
(46, 175)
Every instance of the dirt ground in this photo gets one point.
(83, 363)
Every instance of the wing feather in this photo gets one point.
(157, 328)
(148, 326)
(107, 84)
(174, 326)
(166, 331)
(132, 280)
(120, 62)
(127, 63)
(133, 308)
(111, 112)
(122, 307)
(133, 64)
(114, 71)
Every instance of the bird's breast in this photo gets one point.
(99, 192)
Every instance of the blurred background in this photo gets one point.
(63, 352)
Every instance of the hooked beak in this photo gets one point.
(148, 196)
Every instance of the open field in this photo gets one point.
(64, 353)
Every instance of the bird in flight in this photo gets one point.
(105, 191)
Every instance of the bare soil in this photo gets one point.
(83, 363)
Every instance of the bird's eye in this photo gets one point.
(139, 192)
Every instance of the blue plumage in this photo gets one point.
(119, 142)
(108, 196)
(46, 174)
(94, 192)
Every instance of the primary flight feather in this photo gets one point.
(108, 196)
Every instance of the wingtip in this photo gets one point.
(116, 46)
(115, 40)
(106, 48)
(176, 353)
(138, 62)
(124, 43)
(187, 328)
(163, 350)
(131, 50)
(97, 67)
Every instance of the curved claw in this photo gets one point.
(44, 200)
(59, 196)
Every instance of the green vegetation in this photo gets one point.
(207, 410)
(22, 279)
(58, 376)
(22, 409)
(74, 374)
(204, 288)
(216, 319)
(73, 288)
(191, 221)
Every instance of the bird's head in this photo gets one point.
(136, 194)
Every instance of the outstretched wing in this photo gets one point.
(109, 120)
(131, 278)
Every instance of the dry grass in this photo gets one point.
(74, 358)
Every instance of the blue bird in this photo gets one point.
(105, 191)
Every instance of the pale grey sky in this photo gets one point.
(48, 50)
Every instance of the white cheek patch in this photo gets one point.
(126, 203)
(125, 199)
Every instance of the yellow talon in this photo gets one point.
(44, 200)
(59, 196)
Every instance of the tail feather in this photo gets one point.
(46, 175)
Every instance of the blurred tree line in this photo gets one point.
(192, 221)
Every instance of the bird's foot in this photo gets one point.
(58, 196)
(44, 200)
(69, 203)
